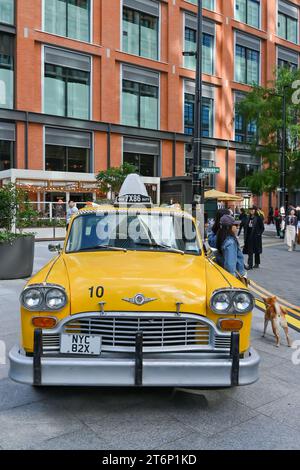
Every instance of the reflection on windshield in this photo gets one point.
(141, 232)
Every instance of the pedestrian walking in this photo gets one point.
(253, 240)
(291, 225)
(277, 221)
(243, 219)
(72, 209)
(271, 216)
(282, 223)
(230, 254)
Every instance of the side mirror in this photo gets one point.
(55, 248)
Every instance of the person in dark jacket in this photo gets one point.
(243, 218)
(277, 221)
(253, 239)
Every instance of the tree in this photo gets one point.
(111, 180)
(264, 106)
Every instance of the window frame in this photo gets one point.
(13, 69)
(122, 6)
(43, 63)
(286, 17)
(246, 57)
(91, 30)
(213, 36)
(158, 95)
(246, 22)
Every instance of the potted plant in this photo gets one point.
(16, 248)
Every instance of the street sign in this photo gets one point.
(211, 170)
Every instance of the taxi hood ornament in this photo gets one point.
(139, 299)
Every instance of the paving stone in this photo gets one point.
(92, 403)
(137, 427)
(285, 410)
(207, 412)
(269, 361)
(13, 395)
(286, 372)
(265, 390)
(26, 425)
(261, 433)
(80, 440)
(193, 441)
(276, 261)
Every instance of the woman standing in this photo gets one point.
(229, 248)
(253, 240)
(212, 237)
(291, 224)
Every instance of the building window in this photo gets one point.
(246, 165)
(247, 59)
(6, 70)
(7, 13)
(67, 151)
(248, 11)
(140, 98)
(190, 44)
(207, 109)
(288, 20)
(67, 84)
(141, 29)
(70, 18)
(144, 154)
(7, 144)
(287, 58)
(244, 132)
(208, 4)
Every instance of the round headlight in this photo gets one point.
(32, 298)
(55, 299)
(221, 302)
(243, 302)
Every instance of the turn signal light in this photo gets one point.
(231, 325)
(44, 322)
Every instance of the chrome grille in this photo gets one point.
(118, 333)
(160, 334)
(222, 342)
(51, 343)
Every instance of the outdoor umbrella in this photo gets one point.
(220, 196)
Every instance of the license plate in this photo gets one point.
(88, 345)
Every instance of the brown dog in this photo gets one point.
(276, 314)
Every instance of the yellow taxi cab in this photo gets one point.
(132, 299)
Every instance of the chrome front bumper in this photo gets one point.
(160, 370)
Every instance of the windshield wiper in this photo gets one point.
(103, 247)
(160, 245)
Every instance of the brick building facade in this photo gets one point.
(87, 84)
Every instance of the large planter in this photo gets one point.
(16, 259)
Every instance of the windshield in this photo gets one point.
(139, 232)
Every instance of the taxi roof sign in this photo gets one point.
(133, 191)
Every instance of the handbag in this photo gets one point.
(298, 238)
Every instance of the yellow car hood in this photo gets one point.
(167, 277)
